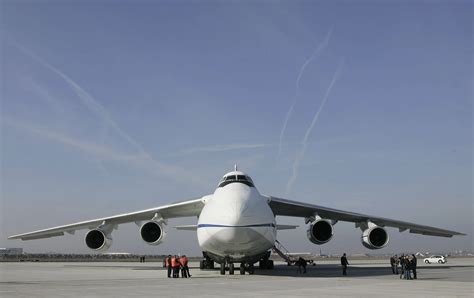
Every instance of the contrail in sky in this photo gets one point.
(92, 104)
(316, 53)
(300, 155)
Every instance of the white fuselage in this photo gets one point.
(236, 222)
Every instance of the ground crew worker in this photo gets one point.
(344, 264)
(184, 266)
(168, 265)
(175, 266)
(187, 267)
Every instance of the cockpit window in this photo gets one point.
(241, 177)
(249, 179)
(236, 179)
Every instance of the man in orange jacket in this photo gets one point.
(184, 267)
(175, 265)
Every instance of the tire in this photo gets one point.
(440, 262)
(251, 269)
(201, 264)
(427, 262)
(270, 264)
(242, 269)
(231, 269)
(262, 265)
(222, 268)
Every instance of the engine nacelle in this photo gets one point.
(320, 231)
(98, 240)
(375, 237)
(153, 232)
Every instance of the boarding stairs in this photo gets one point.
(279, 249)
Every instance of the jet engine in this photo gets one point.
(153, 232)
(374, 237)
(320, 231)
(98, 240)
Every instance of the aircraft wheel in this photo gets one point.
(201, 264)
(222, 268)
(242, 269)
(231, 269)
(251, 269)
(270, 264)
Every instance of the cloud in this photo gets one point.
(301, 153)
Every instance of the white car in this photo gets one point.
(435, 259)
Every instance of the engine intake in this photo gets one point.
(320, 231)
(375, 238)
(98, 240)
(153, 232)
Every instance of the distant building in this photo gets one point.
(14, 251)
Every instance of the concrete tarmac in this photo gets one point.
(366, 278)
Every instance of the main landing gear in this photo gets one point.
(231, 267)
(265, 262)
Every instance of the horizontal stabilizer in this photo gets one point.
(286, 227)
(187, 227)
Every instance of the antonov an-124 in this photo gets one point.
(237, 225)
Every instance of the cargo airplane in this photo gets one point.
(237, 225)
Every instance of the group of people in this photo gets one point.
(407, 264)
(175, 264)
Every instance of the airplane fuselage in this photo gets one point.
(236, 223)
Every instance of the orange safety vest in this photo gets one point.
(174, 262)
(183, 261)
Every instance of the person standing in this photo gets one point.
(175, 266)
(393, 264)
(344, 264)
(413, 266)
(168, 265)
(187, 267)
(397, 261)
(301, 264)
(407, 267)
(184, 267)
(402, 266)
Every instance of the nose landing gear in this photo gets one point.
(207, 263)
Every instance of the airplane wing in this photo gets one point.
(180, 209)
(298, 209)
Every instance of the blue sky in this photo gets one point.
(109, 107)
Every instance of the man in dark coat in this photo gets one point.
(393, 263)
(344, 264)
(413, 266)
(301, 264)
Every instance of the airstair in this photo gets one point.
(279, 249)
